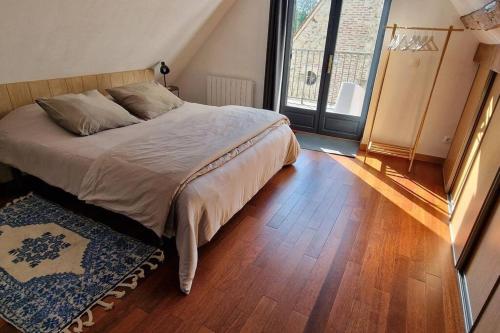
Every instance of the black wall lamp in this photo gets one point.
(164, 70)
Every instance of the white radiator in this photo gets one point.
(229, 91)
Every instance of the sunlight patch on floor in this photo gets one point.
(422, 204)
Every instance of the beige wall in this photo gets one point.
(58, 38)
(409, 78)
(236, 48)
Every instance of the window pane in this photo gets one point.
(309, 28)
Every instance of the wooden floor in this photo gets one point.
(329, 244)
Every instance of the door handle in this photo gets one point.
(330, 64)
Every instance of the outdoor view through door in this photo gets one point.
(328, 66)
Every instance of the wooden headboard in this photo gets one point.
(14, 95)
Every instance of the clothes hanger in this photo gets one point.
(409, 43)
(431, 44)
(423, 43)
(394, 42)
(403, 42)
(416, 43)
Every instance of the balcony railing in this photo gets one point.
(305, 75)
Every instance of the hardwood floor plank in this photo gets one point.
(330, 287)
(296, 323)
(380, 311)
(364, 234)
(434, 311)
(386, 269)
(360, 317)
(166, 323)
(415, 309)
(204, 329)
(396, 321)
(313, 287)
(288, 268)
(134, 318)
(288, 294)
(341, 312)
(191, 326)
(327, 220)
(235, 324)
(259, 317)
(453, 319)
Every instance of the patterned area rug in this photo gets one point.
(56, 265)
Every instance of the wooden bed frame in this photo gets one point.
(14, 95)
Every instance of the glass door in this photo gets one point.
(305, 62)
(328, 67)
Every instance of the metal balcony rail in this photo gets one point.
(305, 75)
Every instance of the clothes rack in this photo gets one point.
(401, 151)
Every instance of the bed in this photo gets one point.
(221, 182)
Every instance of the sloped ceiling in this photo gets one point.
(58, 38)
(465, 7)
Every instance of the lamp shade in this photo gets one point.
(164, 68)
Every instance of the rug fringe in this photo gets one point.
(16, 200)
(116, 293)
(158, 255)
(90, 319)
(79, 327)
(137, 274)
(140, 272)
(151, 265)
(106, 306)
(131, 285)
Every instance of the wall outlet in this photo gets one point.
(447, 139)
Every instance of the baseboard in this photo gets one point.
(418, 157)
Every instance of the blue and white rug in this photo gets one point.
(56, 265)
